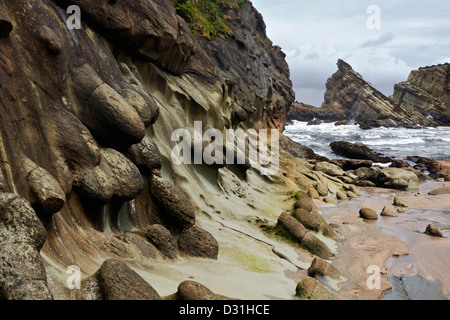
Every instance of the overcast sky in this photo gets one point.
(316, 33)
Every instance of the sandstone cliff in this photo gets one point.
(427, 91)
(86, 176)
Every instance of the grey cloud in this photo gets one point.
(312, 56)
(325, 30)
(382, 39)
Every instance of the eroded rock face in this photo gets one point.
(87, 117)
(426, 91)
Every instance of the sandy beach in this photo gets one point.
(413, 265)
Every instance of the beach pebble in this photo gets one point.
(399, 202)
(311, 289)
(329, 200)
(341, 196)
(323, 268)
(351, 195)
(303, 202)
(313, 194)
(368, 214)
(387, 212)
(432, 230)
(322, 189)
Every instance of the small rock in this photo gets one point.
(322, 189)
(387, 212)
(368, 214)
(401, 210)
(399, 202)
(145, 155)
(197, 242)
(292, 225)
(316, 246)
(341, 195)
(329, 168)
(355, 190)
(194, 291)
(311, 289)
(304, 202)
(48, 195)
(313, 194)
(163, 240)
(365, 183)
(329, 200)
(144, 246)
(322, 268)
(432, 230)
(351, 195)
(172, 201)
(307, 219)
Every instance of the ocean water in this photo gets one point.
(433, 143)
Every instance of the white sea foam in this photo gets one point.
(395, 142)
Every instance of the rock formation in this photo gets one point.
(87, 178)
(427, 91)
(87, 116)
(423, 100)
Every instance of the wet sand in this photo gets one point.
(413, 265)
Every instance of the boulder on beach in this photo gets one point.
(368, 214)
(194, 291)
(313, 194)
(357, 151)
(323, 268)
(322, 189)
(399, 202)
(305, 239)
(394, 178)
(341, 195)
(387, 212)
(119, 282)
(311, 289)
(307, 219)
(329, 168)
(432, 230)
(303, 201)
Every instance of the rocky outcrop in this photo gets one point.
(22, 235)
(87, 117)
(394, 178)
(427, 92)
(423, 100)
